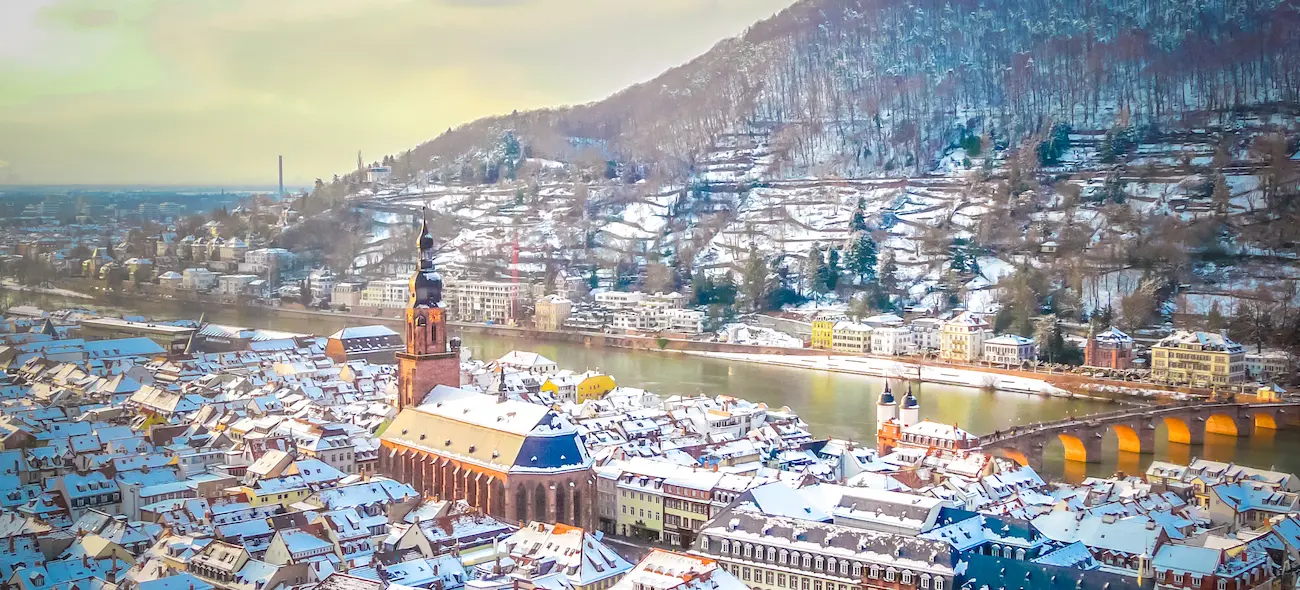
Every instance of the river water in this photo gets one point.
(833, 404)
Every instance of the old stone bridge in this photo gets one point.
(1136, 428)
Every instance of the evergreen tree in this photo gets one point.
(862, 259)
(754, 278)
(593, 280)
(831, 276)
(888, 280)
(859, 221)
(815, 270)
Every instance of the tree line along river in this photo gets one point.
(833, 404)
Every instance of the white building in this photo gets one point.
(482, 301)
(1009, 349)
(690, 321)
(199, 279)
(1269, 365)
(379, 174)
(619, 299)
(261, 260)
(171, 280)
(386, 293)
(322, 280)
(235, 284)
(892, 340)
(925, 333)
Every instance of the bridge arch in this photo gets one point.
(1179, 430)
(1266, 420)
(1076, 448)
(1223, 424)
(1130, 439)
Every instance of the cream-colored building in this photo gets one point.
(962, 338)
(851, 337)
(1009, 349)
(386, 293)
(1199, 359)
(482, 301)
(551, 312)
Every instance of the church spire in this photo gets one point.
(426, 283)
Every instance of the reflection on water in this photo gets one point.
(833, 404)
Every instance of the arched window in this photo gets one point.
(807, 561)
(907, 577)
(784, 557)
(891, 574)
(1006, 552)
(875, 571)
(844, 568)
(857, 570)
(925, 580)
(749, 550)
(771, 554)
(726, 546)
(1020, 554)
(938, 584)
(821, 563)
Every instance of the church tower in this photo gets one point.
(431, 358)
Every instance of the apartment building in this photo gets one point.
(386, 293)
(850, 337)
(1009, 349)
(962, 338)
(1199, 359)
(482, 301)
(551, 312)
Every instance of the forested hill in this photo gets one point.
(857, 86)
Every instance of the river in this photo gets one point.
(833, 404)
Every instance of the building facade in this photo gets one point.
(1198, 359)
(483, 301)
(1009, 349)
(962, 338)
(1111, 349)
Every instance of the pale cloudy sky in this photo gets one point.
(210, 91)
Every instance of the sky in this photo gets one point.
(211, 91)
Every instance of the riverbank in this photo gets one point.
(892, 369)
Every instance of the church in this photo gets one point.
(516, 461)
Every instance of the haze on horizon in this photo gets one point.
(210, 91)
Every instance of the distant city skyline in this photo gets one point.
(210, 92)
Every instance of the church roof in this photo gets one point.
(508, 435)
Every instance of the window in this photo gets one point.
(780, 580)
(784, 557)
(875, 571)
(891, 574)
(771, 554)
(767, 577)
(807, 561)
(821, 563)
(744, 573)
(1178, 578)
(1223, 584)
(857, 570)
(844, 568)
(938, 584)
(748, 551)
(726, 546)
(907, 577)
(1196, 581)
(925, 580)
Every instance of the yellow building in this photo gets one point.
(267, 495)
(822, 332)
(962, 338)
(594, 386)
(551, 312)
(1199, 359)
(641, 506)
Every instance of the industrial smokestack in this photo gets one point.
(282, 177)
